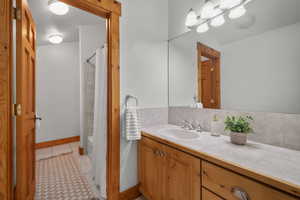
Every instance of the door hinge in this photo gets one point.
(16, 13)
(17, 109)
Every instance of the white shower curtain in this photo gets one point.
(100, 121)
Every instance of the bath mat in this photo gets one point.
(59, 178)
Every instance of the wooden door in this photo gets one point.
(183, 179)
(209, 90)
(210, 84)
(206, 80)
(25, 120)
(151, 169)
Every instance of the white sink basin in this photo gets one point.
(180, 134)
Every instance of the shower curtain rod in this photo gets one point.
(93, 55)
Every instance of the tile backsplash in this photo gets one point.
(153, 116)
(270, 128)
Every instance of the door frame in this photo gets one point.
(215, 56)
(6, 131)
(108, 9)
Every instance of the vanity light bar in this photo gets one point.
(193, 20)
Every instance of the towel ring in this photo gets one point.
(128, 97)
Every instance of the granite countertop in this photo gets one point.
(272, 161)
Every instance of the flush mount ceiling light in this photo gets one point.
(213, 11)
(57, 7)
(55, 38)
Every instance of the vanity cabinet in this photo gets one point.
(168, 174)
(151, 169)
(208, 195)
(232, 186)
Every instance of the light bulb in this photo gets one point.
(218, 21)
(55, 38)
(202, 28)
(237, 12)
(191, 18)
(216, 11)
(227, 4)
(207, 10)
(57, 7)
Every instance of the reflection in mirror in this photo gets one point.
(250, 63)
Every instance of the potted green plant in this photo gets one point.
(239, 127)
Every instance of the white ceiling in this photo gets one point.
(48, 23)
(262, 16)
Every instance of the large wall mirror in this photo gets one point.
(249, 63)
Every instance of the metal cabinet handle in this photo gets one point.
(159, 153)
(240, 193)
(156, 152)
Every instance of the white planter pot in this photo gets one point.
(238, 138)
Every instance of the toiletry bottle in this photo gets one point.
(214, 126)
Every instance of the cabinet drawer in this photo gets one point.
(207, 195)
(232, 186)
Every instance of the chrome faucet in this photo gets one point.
(187, 125)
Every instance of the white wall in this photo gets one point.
(91, 37)
(144, 34)
(57, 91)
(183, 75)
(261, 73)
(144, 54)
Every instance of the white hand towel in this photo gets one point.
(133, 131)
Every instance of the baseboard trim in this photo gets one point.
(130, 194)
(57, 142)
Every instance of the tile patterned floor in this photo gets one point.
(84, 162)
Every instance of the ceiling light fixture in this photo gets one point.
(227, 4)
(237, 12)
(207, 10)
(219, 20)
(191, 18)
(55, 38)
(213, 11)
(202, 28)
(57, 7)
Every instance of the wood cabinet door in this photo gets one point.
(151, 169)
(183, 181)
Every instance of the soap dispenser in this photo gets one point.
(214, 126)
